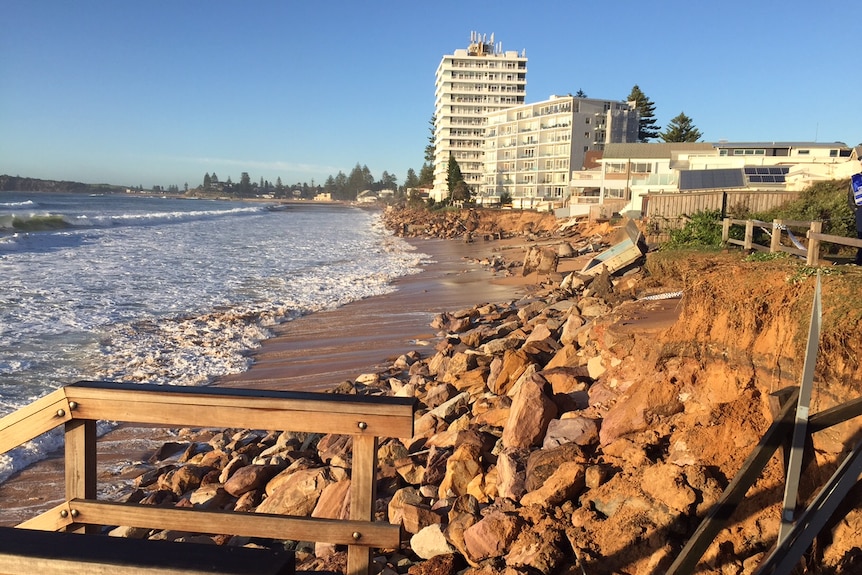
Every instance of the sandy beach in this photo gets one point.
(311, 353)
(318, 351)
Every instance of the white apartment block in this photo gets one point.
(532, 149)
(469, 85)
(629, 172)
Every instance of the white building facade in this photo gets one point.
(530, 150)
(469, 85)
(629, 172)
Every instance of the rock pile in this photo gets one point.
(519, 444)
(553, 434)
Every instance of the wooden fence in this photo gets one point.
(778, 231)
(78, 406)
(666, 211)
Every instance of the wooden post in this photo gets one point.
(363, 493)
(813, 256)
(749, 235)
(80, 463)
(725, 230)
(775, 244)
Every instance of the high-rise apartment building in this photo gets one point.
(469, 85)
(532, 149)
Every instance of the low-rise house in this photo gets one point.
(628, 175)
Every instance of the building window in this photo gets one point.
(615, 193)
(833, 153)
(803, 152)
(615, 168)
(642, 168)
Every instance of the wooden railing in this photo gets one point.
(80, 405)
(777, 228)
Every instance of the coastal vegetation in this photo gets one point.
(823, 201)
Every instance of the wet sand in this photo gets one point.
(316, 352)
(312, 353)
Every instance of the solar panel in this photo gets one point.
(711, 179)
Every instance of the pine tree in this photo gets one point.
(647, 128)
(580, 94)
(426, 175)
(681, 129)
(453, 174)
(429, 149)
(412, 180)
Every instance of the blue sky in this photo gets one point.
(160, 92)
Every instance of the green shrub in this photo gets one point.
(703, 229)
(824, 201)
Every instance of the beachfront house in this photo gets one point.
(632, 179)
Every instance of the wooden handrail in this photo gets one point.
(78, 406)
(813, 234)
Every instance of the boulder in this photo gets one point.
(492, 536)
(430, 542)
(642, 402)
(461, 467)
(334, 501)
(511, 473)
(530, 414)
(297, 493)
(510, 368)
(580, 430)
(249, 478)
(540, 549)
(438, 565)
(564, 484)
(542, 463)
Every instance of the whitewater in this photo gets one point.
(167, 290)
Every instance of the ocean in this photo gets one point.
(165, 290)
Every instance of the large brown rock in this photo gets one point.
(249, 478)
(297, 494)
(462, 466)
(564, 484)
(508, 370)
(183, 479)
(580, 430)
(633, 411)
(541, 341)
(530, 414)
(511, 473)
(492, 536)
(334, 501)
(542, 463)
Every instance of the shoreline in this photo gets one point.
(318, 351)
(314, 352)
